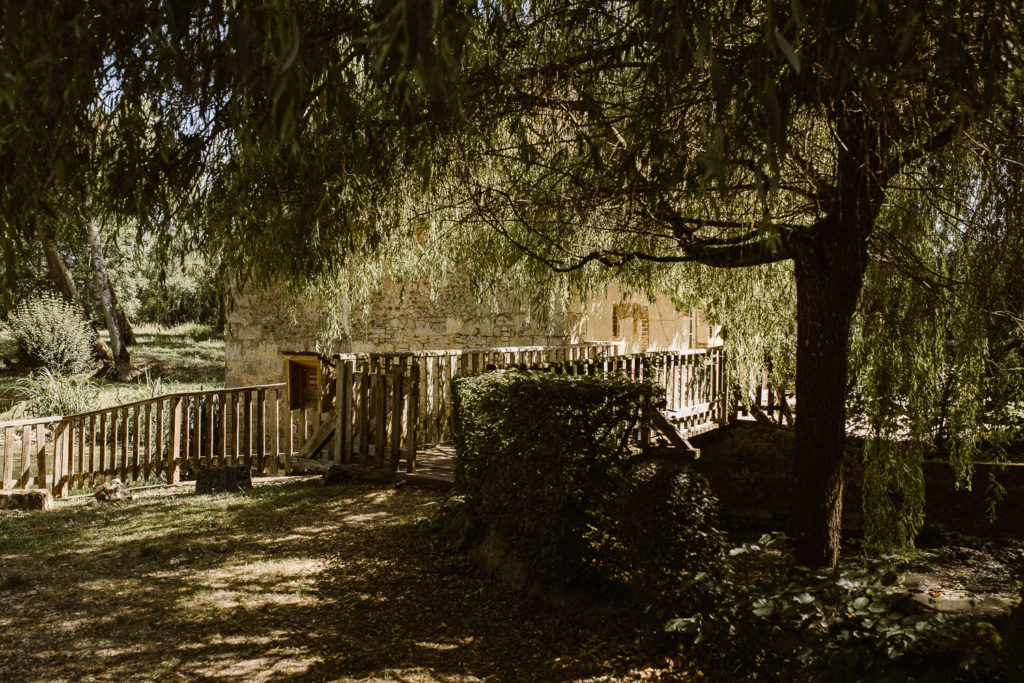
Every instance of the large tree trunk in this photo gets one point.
(825, 303)
(65, 284)
(829, 266)
(108, 300)
(123, 322)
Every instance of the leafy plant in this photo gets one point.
(665, 525)
(199, 332)
(779, 620)
(50, 332)
(47, 393)
(545, 463)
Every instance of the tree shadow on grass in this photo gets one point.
(285, 582)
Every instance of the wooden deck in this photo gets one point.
(435, 464)
(435, 467)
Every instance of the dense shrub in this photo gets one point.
(773, 620)
(667, 535)
(181, 293)
(546, 464)
(50, 332)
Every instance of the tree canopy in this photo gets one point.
(869, 153)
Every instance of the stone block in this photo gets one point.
(223, 479)
(453, 325)
(232, 351)
(112, 491)
(246, 332)
(268, 352)
(32, 499)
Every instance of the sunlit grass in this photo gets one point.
(184, 358)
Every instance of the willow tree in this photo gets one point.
(80, 141)
(731, 135)
(634, 138)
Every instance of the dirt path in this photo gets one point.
(288, 582)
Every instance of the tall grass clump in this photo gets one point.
(50, 332)
(47, 393)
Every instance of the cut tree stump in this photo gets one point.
(34, 499)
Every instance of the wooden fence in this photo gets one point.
(374, 420)
(156, 439)
(437, 368)
(387, 407)
(694, 381)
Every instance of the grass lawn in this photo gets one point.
(184, 358)
(290, 581)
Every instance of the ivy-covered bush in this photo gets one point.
(773, 620)
(667, 535)
(545, 462)
(51, 333)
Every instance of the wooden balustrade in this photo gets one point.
(437, 368)
(387, 407)
(376, 415)
(694, 380)
(153, 440)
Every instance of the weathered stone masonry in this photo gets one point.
(261, 325)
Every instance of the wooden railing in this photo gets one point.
(437, 368)
(694, 381)
(156, 439)
(25, 454)
(374, 421)
(387, 407)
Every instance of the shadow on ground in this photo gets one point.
(287, 582)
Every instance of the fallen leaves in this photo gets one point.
(288, 580)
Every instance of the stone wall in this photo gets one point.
(639, 323)
(263, 324)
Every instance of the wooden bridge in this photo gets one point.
(390, 415)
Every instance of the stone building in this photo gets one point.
(261, 325)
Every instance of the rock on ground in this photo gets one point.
(335, 475)
(224, 479)
(35, 499)
(111, 491)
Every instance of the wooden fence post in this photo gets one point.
(124, 445)
(397, 408)
(135, 443)
(158, 463)
(412, 420)
(275, 460)
(41, 455)
(173, 461)
(343, 412)
(261, 428)
(247, 429)
(8, 475)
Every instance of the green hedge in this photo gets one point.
(545, 463)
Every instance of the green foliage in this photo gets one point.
(545, 464)
(778, 621)
(45, 393)
(49, 331)
(175, 294)
(199, 332)
(538, 456)
(666, 533)
(935, 359)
